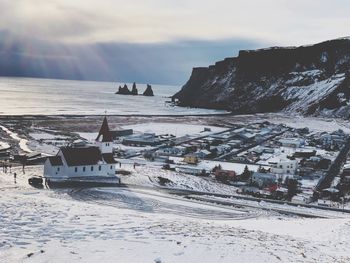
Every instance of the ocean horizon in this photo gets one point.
(37, 96)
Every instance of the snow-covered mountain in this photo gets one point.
(311, 80)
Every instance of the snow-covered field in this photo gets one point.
(44, 148)
(46, 143)
(298, 121)
(148, 176)
(126, 225)
(208, 165)
(173, 128)
(162, 128)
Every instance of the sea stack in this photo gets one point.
(148, 91)
(123, 90)
(134, 89)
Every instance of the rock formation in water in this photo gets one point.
(134, 89)
(123, 90)
(148, 91)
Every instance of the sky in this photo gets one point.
(153, 41)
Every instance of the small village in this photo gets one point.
(260, 160)
(278, 162)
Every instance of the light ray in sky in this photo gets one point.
(153, 40)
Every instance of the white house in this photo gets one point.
(177, 151)
(284, 167)
(223, 148)
(84, 163)
(292, 142)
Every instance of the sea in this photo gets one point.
(35, 96)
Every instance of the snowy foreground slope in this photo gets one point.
(90, 225)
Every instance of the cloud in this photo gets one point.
(166, 63)
(152, 40)
(150, 21)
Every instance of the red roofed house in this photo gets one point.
(224, 175)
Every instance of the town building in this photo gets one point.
(284, 167)
(261, 150)
(201, 154)
(224, 148)
(224, 175)
(304, 153)
(141, 140)
(335, 140)
(292, 142)
(172, 151)
(191, 159)
(263, 180)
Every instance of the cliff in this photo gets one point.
(311, 80)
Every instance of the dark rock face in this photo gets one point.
(134, 89)
(148, 91)
(307, 79)
(123, 90)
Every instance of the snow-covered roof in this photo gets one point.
(205, 152)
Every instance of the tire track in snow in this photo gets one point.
(150, 202)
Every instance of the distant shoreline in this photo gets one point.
(113, 115)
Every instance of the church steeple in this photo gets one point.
(104, 134)
(104, 139)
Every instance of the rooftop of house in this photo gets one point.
(247, 135)
(291, 140)
(56, 160)
(81, 156)
(204, 152)
(239, 130)
(85, 156)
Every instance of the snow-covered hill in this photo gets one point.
(311, 80)
(125, 225)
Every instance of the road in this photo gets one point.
(282, 209)
(326, 180)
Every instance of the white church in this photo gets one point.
(85, 164)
